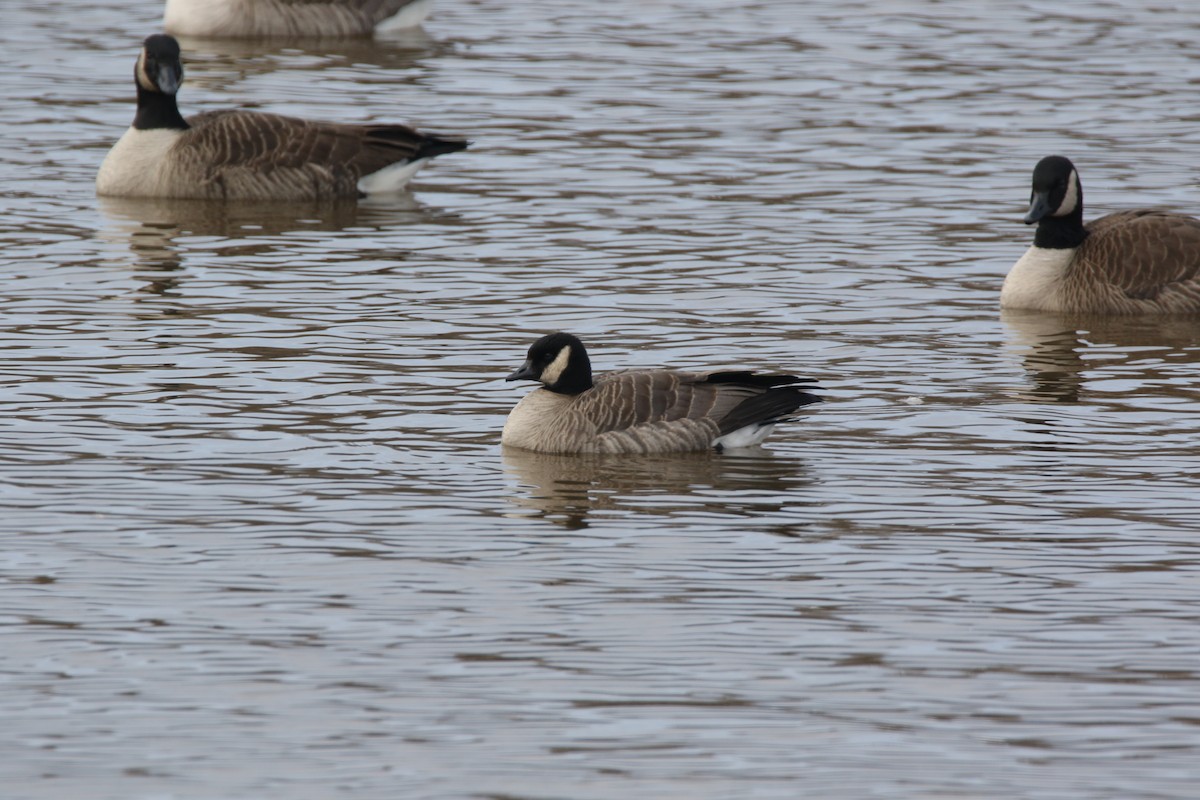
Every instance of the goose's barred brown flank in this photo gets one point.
(643, 411)
(290, 18)
(1144, 261)
(247, 155)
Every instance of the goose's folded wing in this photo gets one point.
(622, 400)
(726, 399)
(1157, 255)
(266, 142)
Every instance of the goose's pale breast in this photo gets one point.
(542, 421)
(138, 164)
(1035, 281)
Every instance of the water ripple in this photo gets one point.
(261, 540)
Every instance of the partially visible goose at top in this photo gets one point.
(642, 411)
(248, 155)
(300, 18)
(1145, 261)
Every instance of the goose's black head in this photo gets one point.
(1056, 203)
(158, 74)
(159, 68)
(560, 362)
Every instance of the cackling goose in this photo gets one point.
(248, 155)
(1145, 261)
(299, 18)
(643, 410)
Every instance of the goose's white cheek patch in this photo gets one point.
(554, 371)
(1071, 198)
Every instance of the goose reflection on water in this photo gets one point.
(570, 489)
(1062, 352)
(142, 216)
(153, 228)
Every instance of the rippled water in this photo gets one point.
(260, 540)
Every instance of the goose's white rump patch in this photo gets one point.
(410, 16)
(748, 436)
(391, 178)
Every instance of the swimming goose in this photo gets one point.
(643, 410)
(1132, 262)
(267, 18)
(248, 155)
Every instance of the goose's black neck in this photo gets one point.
(1061, 233)
(157, 110)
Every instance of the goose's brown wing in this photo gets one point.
(1156, 256)
(652, 412)
(264, 141)
(251, 154)
(665, 410)
(622, 400)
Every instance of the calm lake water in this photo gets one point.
(260, 540)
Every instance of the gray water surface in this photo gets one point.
(259, 537)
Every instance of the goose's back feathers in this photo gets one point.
(250, 155)
(290, 18)
(1150, 259)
